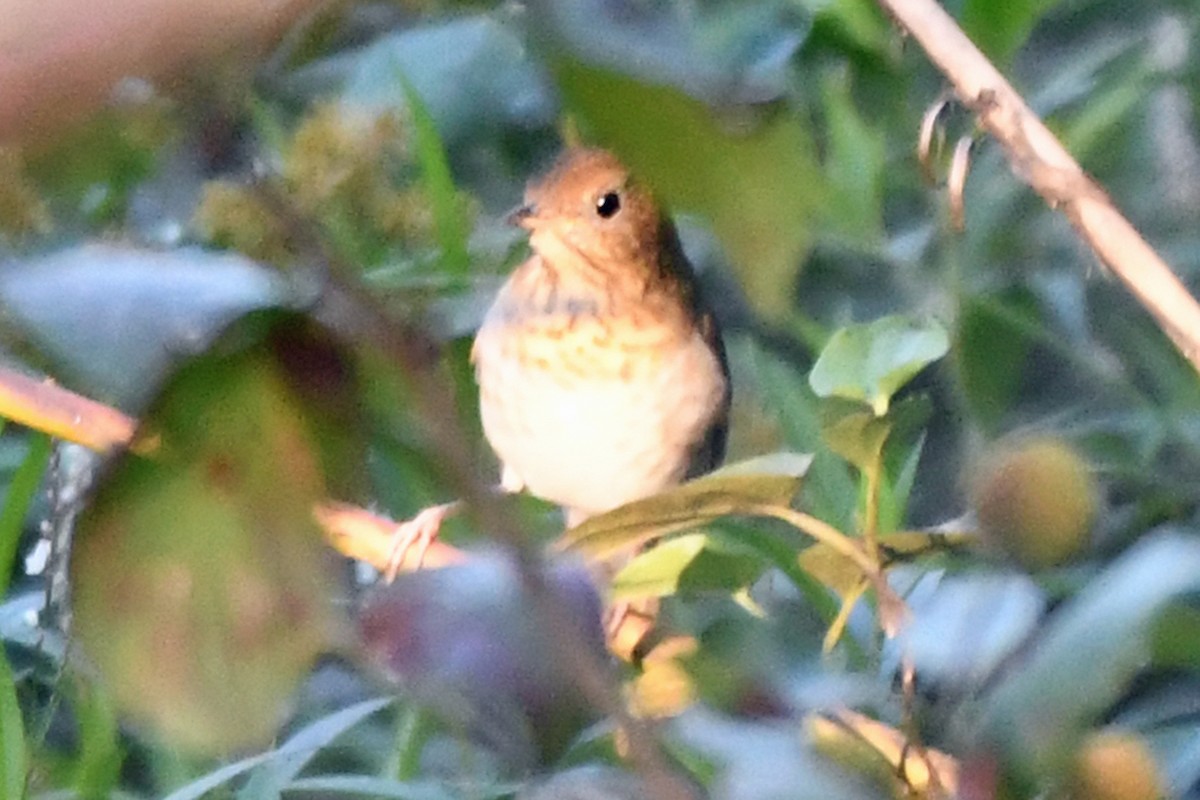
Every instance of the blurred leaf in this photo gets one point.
(860, 21)
(472, 73)
(13, 755)
(829, 490)
(720, 53)
(371, 788)
(690, 563)
(91, 171)
(772, 480)
(451, 223)
(758, 761)
(854, 165)
(999, 29)
(966, 625)
(1086, 655)
(100, 758)
(301, 747)
(759, 185)
(991, 350)
(22, 490)
(202, 589)
(144, 311)
(871, 362)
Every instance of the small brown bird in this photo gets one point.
(602, 377)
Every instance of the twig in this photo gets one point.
(1041, 161)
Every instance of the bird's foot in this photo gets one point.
(413, 538)
(628, 626)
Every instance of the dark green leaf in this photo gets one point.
(759, 187)
(998, 29)
(12, 735)
(449, 217)
(303, 745)
(202, 587)
(22, 490)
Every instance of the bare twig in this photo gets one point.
(1041, 161)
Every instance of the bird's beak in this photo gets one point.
(522, 216)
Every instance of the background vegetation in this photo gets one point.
(272, 244)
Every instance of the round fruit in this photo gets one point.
(1115, 765)
(1035, 501)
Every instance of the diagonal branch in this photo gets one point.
(1040, 160)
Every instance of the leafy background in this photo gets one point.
(367, 152)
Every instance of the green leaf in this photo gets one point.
(13, 755)
(829, 490)
(991, 347)
(692, 563)
(98, 766)
(202, 587)
(871, 362)
(854, 164)
(302, 747)
(760, 187)
(22, 490)
(1086, 655)
(999, 29)
(854, 432)
(772, 479)
(449, 217)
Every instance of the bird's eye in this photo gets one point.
(608, 205)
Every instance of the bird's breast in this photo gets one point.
(592, 411)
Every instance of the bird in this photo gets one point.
(602, 374)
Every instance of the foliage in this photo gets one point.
(281, 278)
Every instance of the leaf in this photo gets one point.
(145, 310)
(854, 432)
(1087, 654)
(22, 490)
(691, 563)
(473, 73)
(13, 755)
(999, 29)
(991, 348)
(303, 745)
(871, 362)
(772, 479)
(966, 625)
(829, 490)
(202, 589)
(760, 187)
(854, 165)
(449, 219)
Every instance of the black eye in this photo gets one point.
(608, 205)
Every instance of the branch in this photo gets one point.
(1040, 160)
(45, 406)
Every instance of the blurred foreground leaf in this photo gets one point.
(202, 586)
(1086, 656)
(760, 187)
(114, 319)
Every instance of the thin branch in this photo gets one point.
(1039, 159)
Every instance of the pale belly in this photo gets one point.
(592, 443)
